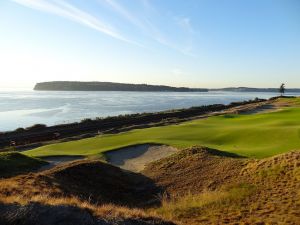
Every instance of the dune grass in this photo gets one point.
(255, 135)
(13, 163)
(190, 205)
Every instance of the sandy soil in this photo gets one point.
(134, 158)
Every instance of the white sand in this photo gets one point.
(135, 158)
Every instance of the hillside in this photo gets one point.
(206, 186)
(108, 86)
(14, 163)
(83, 192)
(195, 186)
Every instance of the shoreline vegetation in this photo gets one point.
(34, 136)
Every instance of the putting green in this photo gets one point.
(256, 135)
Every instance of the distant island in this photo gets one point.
(111, 86)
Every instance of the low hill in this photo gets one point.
(41, 214)
(205, 186)
(82, 192)
(108, 86)
(14, 163)
(89, 180)
(195, 186)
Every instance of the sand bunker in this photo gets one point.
(58, 160)
(134, 158)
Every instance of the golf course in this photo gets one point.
(256, 135)
(236, 165)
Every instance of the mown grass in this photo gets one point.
(13, 163)
(255, 135)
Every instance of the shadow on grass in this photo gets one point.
(223, 153)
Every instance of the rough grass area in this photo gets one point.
(203, 187)
(70, 211)
(190, 205)
(89, 180)
(195, 186)
(13, 163)
(82, 192)
(256, 135)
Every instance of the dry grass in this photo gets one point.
(254, 191)
(108, 211)
(202, 187)
(43, 189)
(14, 163)
(91, 181)
(194, 205)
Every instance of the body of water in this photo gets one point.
(25, 108)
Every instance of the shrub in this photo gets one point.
(36, 127)
(20, 129)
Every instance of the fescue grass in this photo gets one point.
(13, 163)
(256, 135)
(191, 205)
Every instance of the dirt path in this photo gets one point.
(134, 158)
(58, 160)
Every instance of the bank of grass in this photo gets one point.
(190, 206)
(14, 163)
(255, 135)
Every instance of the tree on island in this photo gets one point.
(282, 89)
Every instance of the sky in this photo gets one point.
(195, 43)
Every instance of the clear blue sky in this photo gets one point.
(197, 43)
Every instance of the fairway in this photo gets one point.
(256, 135)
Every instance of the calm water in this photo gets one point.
(23, 109)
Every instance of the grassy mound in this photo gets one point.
(207, 187)
(13, 163)
(194, 170)
(201, 186)
(92, 181)
(82, 192)
(255, 135)
(66, 214)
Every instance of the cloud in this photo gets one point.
(125, 13)
(148, 27)
(64, 9)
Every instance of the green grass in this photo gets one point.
(13, 163)
(256, 135)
